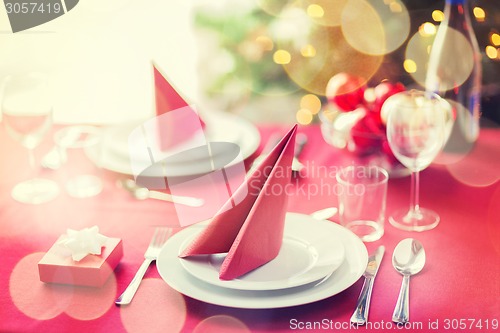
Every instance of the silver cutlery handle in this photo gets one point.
(188, 201)
(401, 313)
(360, 315)
(128, 294)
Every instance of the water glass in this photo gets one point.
(27, 116)
(81, 176)
(362, 193)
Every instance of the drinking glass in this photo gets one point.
(418, 125)
(362, 194)
(27, 117)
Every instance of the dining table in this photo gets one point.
(458, 290)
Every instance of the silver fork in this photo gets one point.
(159, 238)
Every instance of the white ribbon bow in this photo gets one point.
(83, 242)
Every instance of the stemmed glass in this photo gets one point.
(27, 117)
(418, 125)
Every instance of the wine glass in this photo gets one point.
(27, 117)
(418, 125)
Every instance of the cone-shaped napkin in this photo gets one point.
(252, 231)
(177, 121)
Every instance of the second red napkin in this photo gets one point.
(177, 121)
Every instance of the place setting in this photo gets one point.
(248, 251)
(274, 258)
(176, 129)
(250, 166)
(253, 254)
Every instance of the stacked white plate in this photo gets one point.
(114, 152)
(318, 259)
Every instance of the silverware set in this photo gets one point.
(408, 259)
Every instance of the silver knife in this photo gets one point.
(360, 315)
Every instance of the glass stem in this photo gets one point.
(414, 196)
(31, 157)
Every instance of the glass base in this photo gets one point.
(421, 220)
(368, 231)
(84, 186)
(35, 191)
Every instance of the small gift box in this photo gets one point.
(83, 258)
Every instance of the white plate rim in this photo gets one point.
(331, 250)
(356, 259)
(248, 141)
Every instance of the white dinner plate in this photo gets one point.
(310, 251)
(351, 269)
(220, 127)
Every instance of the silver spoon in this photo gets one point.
(408, 259)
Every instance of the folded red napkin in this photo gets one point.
(252, 231)
(177, 121)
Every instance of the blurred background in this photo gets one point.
(256, 58)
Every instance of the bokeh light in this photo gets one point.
(417, 54)
(324, 12)
(437, 15)
(43, 301)
(304, 116)
(311, 102)
(256, 56)
(156, 308)
(396, 7)
(274, 7)
(315, 11)
(265, 42)
(479, 13)
(221, 324)
(292, 26)
(375, 28)
(491, 52)
(464, 145)
(455, 62)
(333, 55)
(410, 66)
(34, 298)
(479, 168)
(495, 39)
(92, 303)
(427, 29)
(362, 28)
(308, 51)
(282, 57)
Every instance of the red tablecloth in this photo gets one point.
(458, 289)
